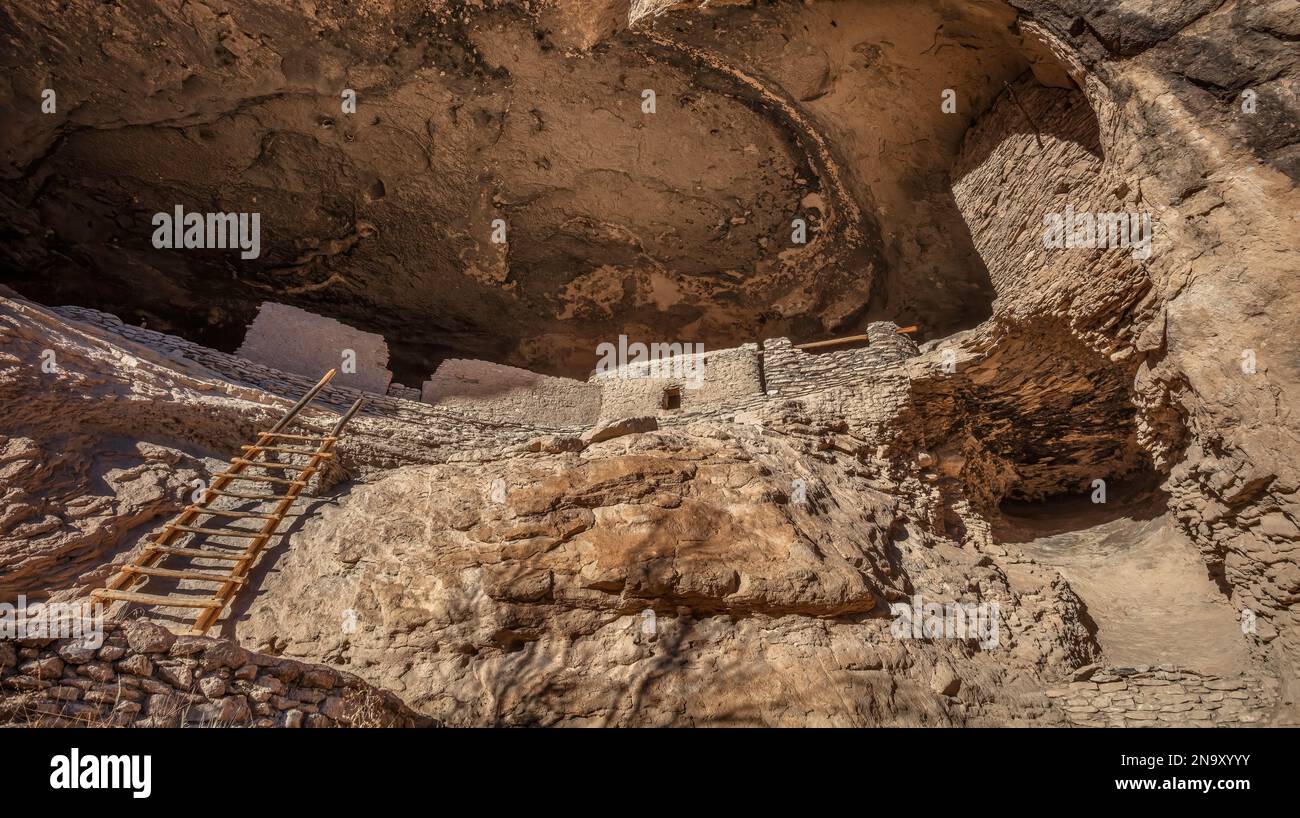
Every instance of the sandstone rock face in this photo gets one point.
(674, 224)
(114, 438)
(608, 430)
(384, 219)
(742, 557)
(533, 609)
(742, 569)
(1182, 332)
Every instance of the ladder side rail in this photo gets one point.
(303, 401)
(239, 570)
(148, 559)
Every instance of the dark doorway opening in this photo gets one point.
(672, 398)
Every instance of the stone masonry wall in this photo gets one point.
(790, 373)
(1157, 696)
(302, 342)
(730, 378)
(395, 405)
(507, 392)
(145, 676)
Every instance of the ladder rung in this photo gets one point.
(222, 512)
(162, 601)
(203, 553)
(155, 551)
(287, 450)
(168, 572)
(217, 532)
(243, 496)
(257, 478)
(265, 465)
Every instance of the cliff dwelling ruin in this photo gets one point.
(839, 362)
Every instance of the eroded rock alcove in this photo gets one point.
(673, 224)
(496, 566)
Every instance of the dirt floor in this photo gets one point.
(1144, 584)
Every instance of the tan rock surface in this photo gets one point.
(498, 570)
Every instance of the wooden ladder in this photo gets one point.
(148, 563)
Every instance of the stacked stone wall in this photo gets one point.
(304, 343)
(789, 372)
(397, 404)
(1164, 697)
(143, 675)
(513, 394)
(703, 383)
(736, 380)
